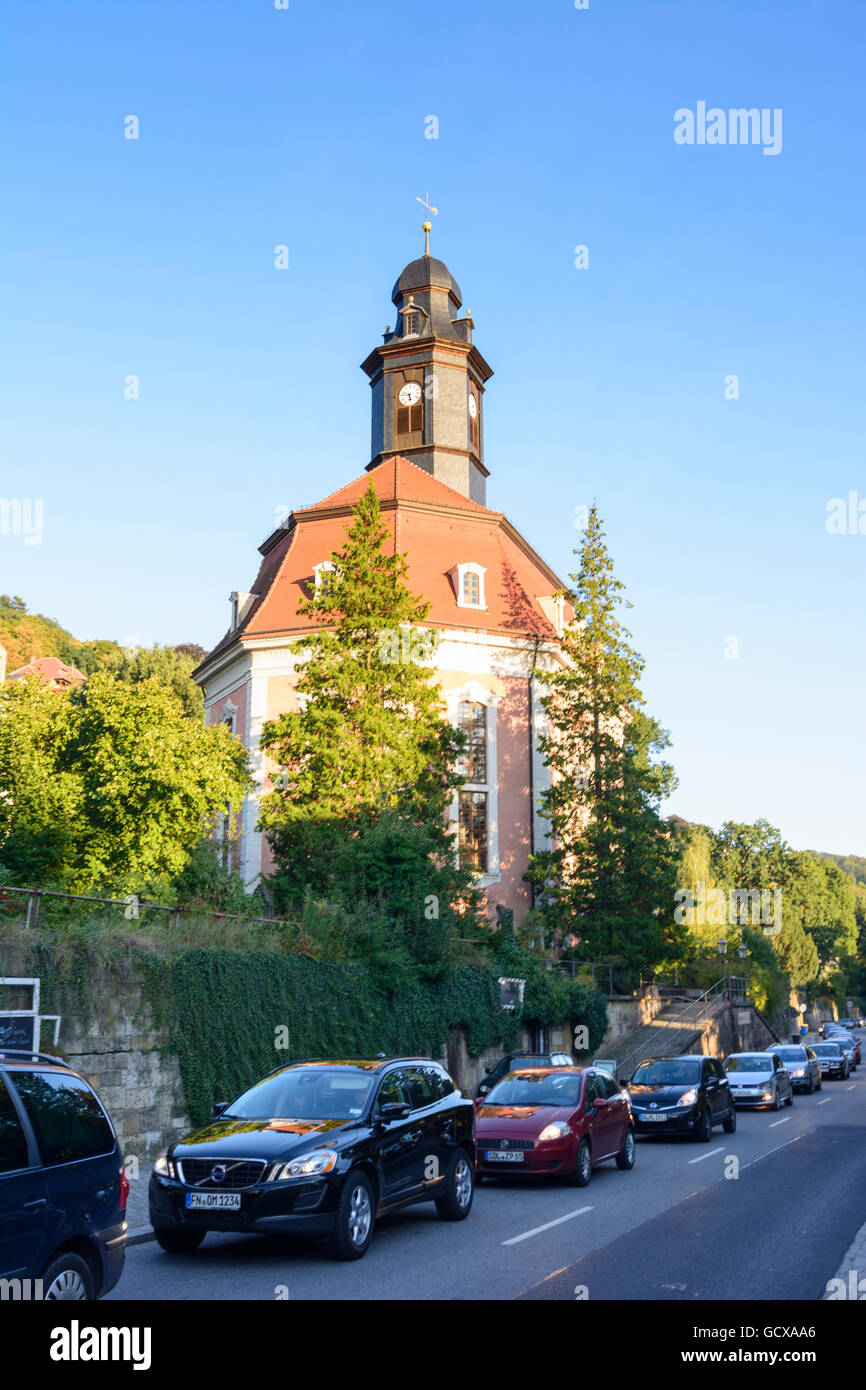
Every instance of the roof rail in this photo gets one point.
(16, 1053)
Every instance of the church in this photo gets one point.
(491, 595)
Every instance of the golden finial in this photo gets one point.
(428, 226)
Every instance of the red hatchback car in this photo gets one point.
(553, 1122)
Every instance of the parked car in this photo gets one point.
(320, 1148)
(802, 1063)
(63, 1190)
(759, 1078)
(832, 1060)
(681, 1095)
(849, 1045)
(553, 1122)
(512, 1060)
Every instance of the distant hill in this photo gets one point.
(29, 635)
(851, 864)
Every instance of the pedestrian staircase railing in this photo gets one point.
(696, 1008)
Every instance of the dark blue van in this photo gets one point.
(62, 1187)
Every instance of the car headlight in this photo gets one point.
(688, 1098)
(163, 1167)
(558, 1130)
(800, 1071)
(310, 1166)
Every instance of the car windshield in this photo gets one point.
(791, 1054)
(305, 1093)
(537, 1088)
(748, 1061)
(667, 1074)
(827, 1049)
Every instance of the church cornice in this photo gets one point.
(421, 347)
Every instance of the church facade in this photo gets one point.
(491, 595)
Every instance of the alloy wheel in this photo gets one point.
(360, 1215)
(463, 1182)
(68, 1284)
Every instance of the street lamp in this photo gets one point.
(742, 951)
(722, 947)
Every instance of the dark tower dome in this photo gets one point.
(426, 272)
(428, 380)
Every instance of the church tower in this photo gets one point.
(428, 380)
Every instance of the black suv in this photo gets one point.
(320, 1148)
(62, 1187)
(513, 1061)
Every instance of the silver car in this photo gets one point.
(802, 1063)
(759, 1078)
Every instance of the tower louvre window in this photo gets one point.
(410, 324)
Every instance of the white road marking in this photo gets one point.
(536, 1230)
(780, 1122)
(825, 1102)
(795, 1140)
(707, 1155)
(850, 1088)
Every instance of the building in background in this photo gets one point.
(51, 671)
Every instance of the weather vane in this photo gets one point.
(428, 226)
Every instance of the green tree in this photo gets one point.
(610, 877)
(368, 760)
(110, 786)
(166, 665)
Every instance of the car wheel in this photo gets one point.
(626, 1156)
(704, 1129)
(582, 1171)
(811, 1084)
(353, 1224)
(455, 1203)
(730, 1123)
(777, 1102)
(820, 1083)
(67, 1276)
(790, 1100)
(180, 1242)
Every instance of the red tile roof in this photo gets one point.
(436, 527)
(50, 670)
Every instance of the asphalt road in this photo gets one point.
(675, 1227)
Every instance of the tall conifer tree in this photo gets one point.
(609, 879)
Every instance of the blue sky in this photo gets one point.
(306, 127)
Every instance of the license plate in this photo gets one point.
(654, 1119)
(213, 1201)
(503, 1156)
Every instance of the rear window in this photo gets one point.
(68, 1119)
(13, 1144)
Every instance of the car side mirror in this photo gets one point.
(219, 1107)
(394, 1110)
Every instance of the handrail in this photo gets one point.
(708, 996)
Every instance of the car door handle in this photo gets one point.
(35, 1203)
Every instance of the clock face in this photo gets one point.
(473, 407)
(410, 394)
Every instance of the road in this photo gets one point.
(675, 1227)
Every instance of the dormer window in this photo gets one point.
(241, 604)
(468, 581)
(410, 324)
(323, 576)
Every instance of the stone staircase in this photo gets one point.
(676, 1029)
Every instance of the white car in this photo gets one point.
(759, 1078)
